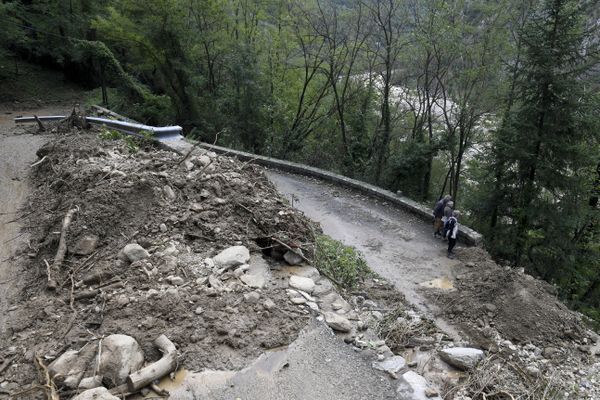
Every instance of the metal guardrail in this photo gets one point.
(161, 133)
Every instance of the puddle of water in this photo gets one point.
(199, 385)
(443, 283)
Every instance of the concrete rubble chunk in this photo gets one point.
(337, 322)
(135, 252)
(232, 257)
(413, 386)
(464, 358)
(85, 245)
(293, 257)
(305, 284)
(121, 355)
(392, 366)
(100, 393)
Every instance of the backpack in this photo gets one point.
(449, 226)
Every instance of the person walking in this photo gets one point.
(438, 213)
(447, 214)
(451, 228)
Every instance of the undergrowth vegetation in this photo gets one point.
(343, 264)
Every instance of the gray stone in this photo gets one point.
(162, 227)
(135, 252)
(269, 304)
(175, 280)
(392, 366)
(91, 382)
(312, 305)
(232, 257)
(464, 358)
(85, 246)
(301, 283)
(257, 274)
(252, 297)
(324, 286)
(198, 310)
(298, 300)
(169, 193)
(66, 369)
(413, 386)
(293, 257)
(100, 393)
(121, 355)
(337, 322)
(215, 282)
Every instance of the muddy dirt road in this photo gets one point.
(397, 245)
(17, 152)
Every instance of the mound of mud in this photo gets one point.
(182, 214)
(521, 308)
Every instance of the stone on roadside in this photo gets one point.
(337, 322)
(252, 297)
(293, 257)
(305, 284)
(232, 257)
(464, 358)
(162, 227)
(392, 366)
(121, 355)
(169, 193)
(85, 246)
(413, 386)
(90, 382)
(269, 304)
(100, 393)
(298, 300)
(66, 369)
(175, 280)
(135, 252)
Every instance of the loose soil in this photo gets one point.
(182, 214)
(521, 308)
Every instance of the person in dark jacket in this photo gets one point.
(438, 213)
(451, 228)
(447, 214)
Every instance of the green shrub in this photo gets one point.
(344, 264)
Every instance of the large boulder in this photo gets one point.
(337, 322)
(413, 386)
(232, 257)
(464, 358)
(68, 369)
(301, 283)
(121, 355)
(100, 393)
(134, 252)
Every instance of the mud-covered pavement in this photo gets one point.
(397, 245)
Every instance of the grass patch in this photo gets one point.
(343, 264)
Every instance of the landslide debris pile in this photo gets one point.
(521, 308)
(142, 260)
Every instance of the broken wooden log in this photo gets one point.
(41, 127)
(62, 248)
(157, 370)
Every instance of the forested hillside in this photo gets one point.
(494, 102)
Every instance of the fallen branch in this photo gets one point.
(39, 162)
(41, 127)
(157, 370)
(49, 386)
(62, 244)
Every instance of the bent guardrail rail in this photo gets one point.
(159, 132)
